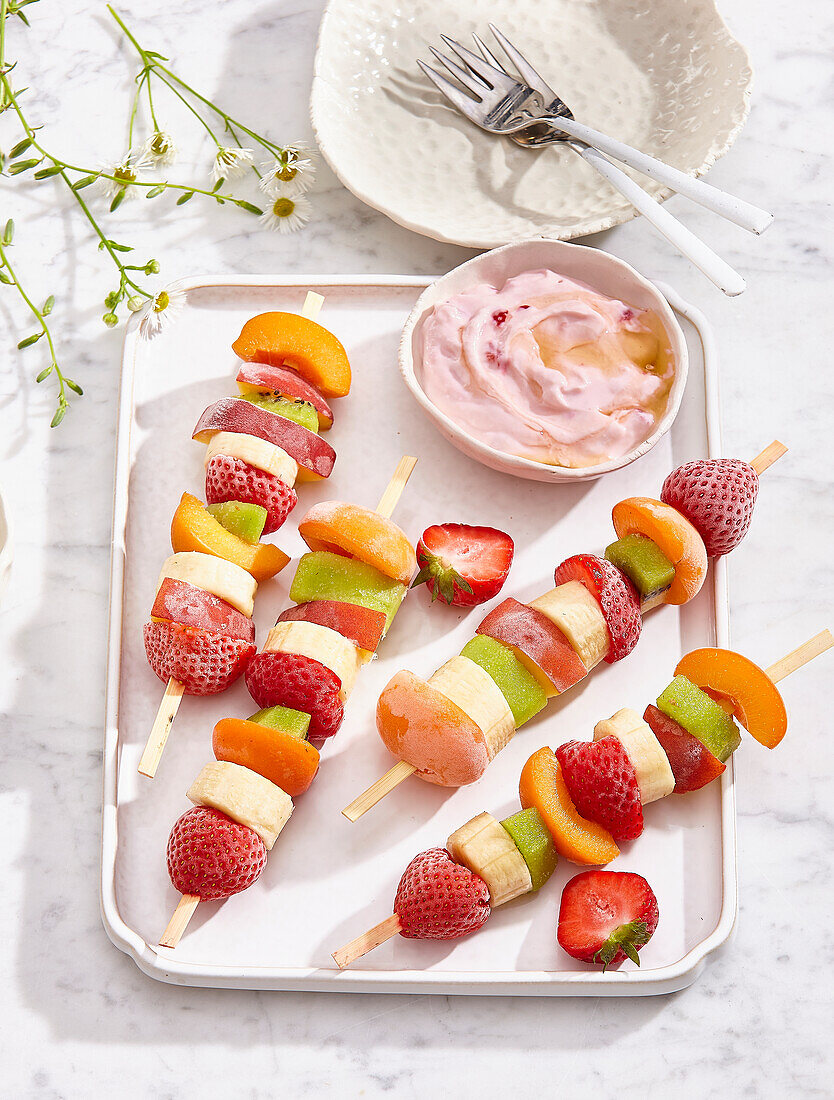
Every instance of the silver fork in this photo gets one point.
(531, 112)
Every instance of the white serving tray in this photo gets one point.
(327, 880)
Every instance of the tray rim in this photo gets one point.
(161, 963)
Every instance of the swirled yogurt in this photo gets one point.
(547, 368)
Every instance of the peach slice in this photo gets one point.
(289, 762)
(577, 839)
(422, 727)
(755, 700)
(193, 528)
(367, 536)
(287, 339)
(675, 536)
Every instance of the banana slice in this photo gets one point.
(259, 453)
(574, 610)
(487, 849)
(244, 796)
(322, 644)
(476, 693)
(654, 773)
(216, 575)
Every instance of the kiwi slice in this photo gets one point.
(294, 722)
(529, 834)
(643, 562)
(524, 694)
(323, 575)
(302, 412)
(247, 521)
(701, 716)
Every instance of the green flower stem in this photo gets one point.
(183, 100)
(140, 81)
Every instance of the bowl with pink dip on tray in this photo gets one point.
(547, 360)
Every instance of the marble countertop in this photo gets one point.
(76, 1016)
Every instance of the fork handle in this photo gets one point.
(744, 214)
(707, 261)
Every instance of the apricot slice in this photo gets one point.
(673, 534)
(287, 339)
(194, 528)
(425, 729)
(367, 536)
(755, 700)
(284, 759)
(543, 787)
(539, 644)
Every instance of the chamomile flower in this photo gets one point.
(286, 215)
(160, 148)
(290, 174)
(124, 174)
(230, 163)
(160, 310)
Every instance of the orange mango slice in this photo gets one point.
(288, 762)
(577, 839)
(731, 678)
(193, 528)
(675, 536)
(361, 534)
(287, 339)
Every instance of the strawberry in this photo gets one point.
(205, 662)
(233, 479)
(616, 596)
(301, 683)
(606, 917)
(602, 783)
(463, 565)
(212, 856)
(717, 496)
(438, 899)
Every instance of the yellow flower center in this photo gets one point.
(124, 174)
(161, 301)
(286, 173)
(283, 207)
(160, 145)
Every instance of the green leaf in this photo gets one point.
(250, 206)
(21, 147)
(154, 191)
(85, 182)
(59, 416)
(184, 198)
(47, 305)
(45, 373)
(23, 166)
(218, 185)
(4, 278)
(74, 387)
(8, 232)
(22, 18)
(118, 199)
(29, 340)
(120, 247)
(45, 173)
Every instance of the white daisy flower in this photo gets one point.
(286, 215)
(290, 174)
(123, 174)
(160, 148)
(230, 163)
(160, 310)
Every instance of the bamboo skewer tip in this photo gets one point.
(369, 940)
(157, 738)
(179, 920)
(765, 459)
(312, 305)
(394, 488)
(800, 656)
(378, 790)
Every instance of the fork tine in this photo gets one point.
(452, 92)
(525, 70)
(471, 82)
(487, 53)
(492, 77)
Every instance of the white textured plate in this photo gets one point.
(327, 880)
(665, 76)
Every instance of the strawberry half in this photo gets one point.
(602, 783)
(615, 594)
(438, 899)
(606, 917)
(463, 565)
(204, 662)
(212, 856)
(301, 683)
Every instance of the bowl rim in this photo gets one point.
(516, 464)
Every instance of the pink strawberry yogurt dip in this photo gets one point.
(548, 369)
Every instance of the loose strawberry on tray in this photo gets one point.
(463, 565)
(607, 917)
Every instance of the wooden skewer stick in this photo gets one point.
(171, 699)
(179, 921)
(401, 770)
(769, 455)
(801, 656)
(312, 304)
(393, 491)
(389, 928)
(377, 935)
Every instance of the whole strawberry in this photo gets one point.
(717, 496)
(438, 899)
(212, 856)
(463, 565)
(602, 783)
(606, 917)
(615, 594)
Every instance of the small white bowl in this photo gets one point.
(604, 273)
